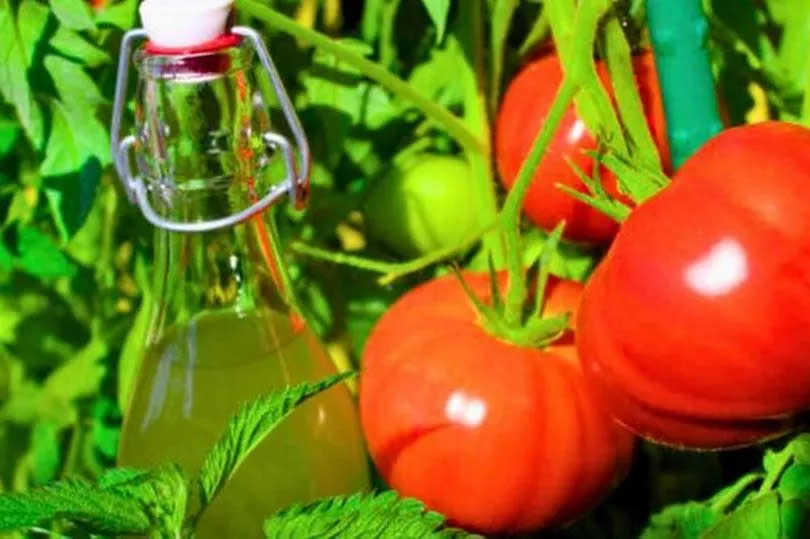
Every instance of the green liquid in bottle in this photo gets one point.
(196, 377)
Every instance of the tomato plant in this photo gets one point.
(521, 115)
(423, 205)
(447, 408)
(695, 325)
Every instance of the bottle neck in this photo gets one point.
(234, 269)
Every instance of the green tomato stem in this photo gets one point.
(510, 214)
(537, 34)
(391, 270)
(502, 13)
(785, 459)
(628, 100)
(440, 115)
(723, 503)
(579, 63)
(470, 33)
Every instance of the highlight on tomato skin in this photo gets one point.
(695, 328)
(523, 110)
(447, 408)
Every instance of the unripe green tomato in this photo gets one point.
(426, 205)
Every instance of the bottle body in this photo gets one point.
(194, 378)
(223, 330)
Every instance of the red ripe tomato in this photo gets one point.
(524, 108)
(497, 437)
(696, 326)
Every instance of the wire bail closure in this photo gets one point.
(295, 183)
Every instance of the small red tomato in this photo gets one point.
(696, 326)
(497, 437)
(525, 105)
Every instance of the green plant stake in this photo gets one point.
(678, 30)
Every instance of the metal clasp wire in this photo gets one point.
(295, 183)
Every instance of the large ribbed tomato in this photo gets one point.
(696, 326)
(524, 108)
(495, 436)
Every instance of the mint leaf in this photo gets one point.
(74, 14)
(382, 515)
(75, 500)
(14, 87)
(125, 501)
(163, 494)
(40, 257)
(756, 519)
(683, 521)
(74, 46)
(438, 11)
(251, 424)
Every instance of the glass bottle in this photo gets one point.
(223, 328)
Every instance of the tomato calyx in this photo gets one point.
(532, 329)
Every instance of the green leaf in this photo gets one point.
(75, 87)
(9, 132)
(6, 261)
(437, 77)
(76, 136)
(121, 15)
(382, 515)
(800, 447)
(794, 519)
(40, 257)
(32, 18)
(71, 197)
(251, 424)
(684, 521)
(372, 17)
(75, 500)
(501, 21)
(756, 519)
(74, 46)
(14, 86)
(795, 483)
(46, 451)
(80, 376)
(341, 100)
(74, 14)
(438, 11)
(106, 427)
(162, 492)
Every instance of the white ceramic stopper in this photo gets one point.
(184, 23)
